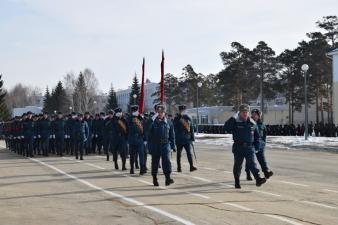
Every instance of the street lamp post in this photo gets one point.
(305, 68)
(199, 84)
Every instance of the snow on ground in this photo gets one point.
(283, 142)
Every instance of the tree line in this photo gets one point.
(260, 75)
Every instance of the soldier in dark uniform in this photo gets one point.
(45, 132)
(36, 140)
(99, 132)
(246, 141)
(108, 133)
(136, 139)
(184, 136)
(28, 129)
(59, 132)
(94, 131)
(260, 154)
(81, 132)
(88, 144)
(161, 140)
(72, 133)
(120, 134)
(68, 143)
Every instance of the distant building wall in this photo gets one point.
(149, 89)
(20, 111)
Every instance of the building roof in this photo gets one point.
(333, 52)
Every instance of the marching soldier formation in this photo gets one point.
(135, 136)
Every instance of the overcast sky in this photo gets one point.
(42, 40)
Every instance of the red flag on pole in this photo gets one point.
(141, 103)
(162, 79)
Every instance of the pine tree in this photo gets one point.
(112, 100)
(265, 66)
(47, 102)
(4, 112)
(237, 78)
(80, 96)
(135, 90)
(60, 99)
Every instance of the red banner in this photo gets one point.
(141, 103)
(162, 79)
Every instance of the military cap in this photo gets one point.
(155, 106)
(59, 113)
(134, 108)
(244, 108)
(160, 108)
(182, 107)
(73, 113)
(118, 110)
(80, 115)
(45, 113)
(110, 112)
(87, 113)
(151, 114)
(102, 114)
(29, 113)
(257, 111)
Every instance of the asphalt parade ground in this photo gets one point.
(62, 190)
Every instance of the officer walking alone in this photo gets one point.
(246, 141)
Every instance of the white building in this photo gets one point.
(149, 89)
(20, 111)
(334, 55)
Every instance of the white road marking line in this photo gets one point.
(127, 199)
(267, 193)
(292, 183)
(207, 168)
(283, 219)
(333, 191)
(142, 181)
(319, 204)
(89, 164)
(257, 191)
(237, 206)
(196, 178)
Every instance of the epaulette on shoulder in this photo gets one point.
(252, 121)
(187, 116)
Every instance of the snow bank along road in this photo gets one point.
(59, 190)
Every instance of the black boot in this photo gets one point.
(107, 157)
(143, 170)
(132, 171)
(268, 174)
(155, 182)
(179, 169)
(192, 168)
(124, 166)
(248, 176)
(168, 180)
(237, 183)
(259, 180)
(116, 165)
(81, 157)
